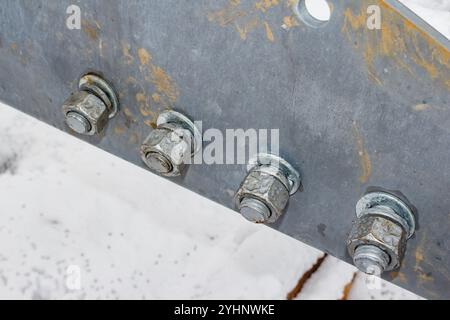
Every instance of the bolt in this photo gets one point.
(377, 241)
(167, 148)
(254, 210)
(158, 162)
(265, 191)
(77, 122)
(87, 111)
(370, 259)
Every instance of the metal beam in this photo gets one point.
(356, 108)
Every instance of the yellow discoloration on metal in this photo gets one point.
(364, 158)
(129, 117)
(398, 275)
(144, 57)
(140, 97)
(245, 21)
(143, 104)
(163, 83)
(119, 130)
(420, 259)
(150, 103)
(399, 40)
(151, 123)
(421, 107)
(228, 15)
(128, 113)
(131, 80)
(156, 98)
(269, 33)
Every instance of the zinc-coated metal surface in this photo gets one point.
(356, 108)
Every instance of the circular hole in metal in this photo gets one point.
(314, 13)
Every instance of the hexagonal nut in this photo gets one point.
(172, 145)
(381, 232)
(266, 188)
(89, 106)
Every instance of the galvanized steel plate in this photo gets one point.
(356, 108)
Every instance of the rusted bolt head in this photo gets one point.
(377, 241)
(166, 150)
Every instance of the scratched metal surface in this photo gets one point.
(356, 108)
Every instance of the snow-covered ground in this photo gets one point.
(70, 229)
(65, 217)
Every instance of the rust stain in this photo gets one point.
(163, 83)
(145, 110)
(128, 112)
(305, 277)
(21, 55)
(265, 5)
(129, 59)
(131, 80)
(156, 97)
(348, 288)
(364, 158)
(423, 277)
(400, 41)
(269, 33)
(163, 95)
(289, 22)
(228, 14)
(91, 29)
(100, 48)
(419, 254)
(245, 21)
(421, 107)
(151, 123)
(400, 275)
(143, 104)
(129, 117)
(134, 138)
(119, 130)
(246, 28)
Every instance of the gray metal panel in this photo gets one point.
(356, 108)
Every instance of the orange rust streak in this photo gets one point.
(348, 287)
(364, 159)
(399, 40)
